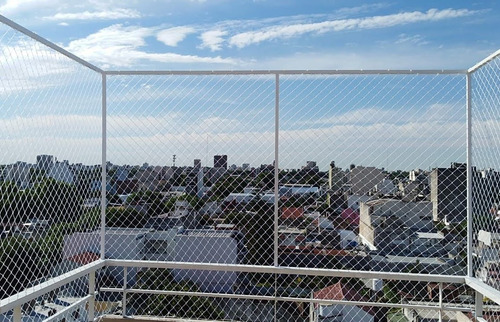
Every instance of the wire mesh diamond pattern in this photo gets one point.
(249, 195)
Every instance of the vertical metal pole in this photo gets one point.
(103, 169)
(276, 168)
(470, 268)
(312, 308)
(440, 302)
(124, 296)
(91, 311)
(478, 303)
(18, 316)
(276, 186)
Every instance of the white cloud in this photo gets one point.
(119, 46)
(388, 57)
(244, 39)
(359, 9)
(213, 39)
(13, 7)
(407, 145)
(437, 113)
(172, 36)
(27, 65)
(96, 15)
(415, 39)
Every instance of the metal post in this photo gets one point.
(440, 302)
(91, 310)
(124, 293)
(276, 186)
(18, 316)
(276, 168)
(478, 305)
(470, 268)
(312, 308)
(103, 169)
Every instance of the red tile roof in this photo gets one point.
(84, 258)
(292, 213)
(340, 292)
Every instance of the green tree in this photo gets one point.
(258, 226)
(55, 200)
(226, 185)
(153, 199)
(265, 180)
(126, 217)
(23, 261)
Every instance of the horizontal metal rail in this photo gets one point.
(61, 313)
(32, 293)
(287, 299)
(292, 72)
(288, 270)
(36, 291)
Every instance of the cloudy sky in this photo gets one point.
(264, 34)
(53, 106)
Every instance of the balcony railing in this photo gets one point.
(358, 195)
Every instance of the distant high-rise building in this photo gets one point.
(197, 163)
(364, 179)
(449, 193)
(44, 162)
(220, 161)
(310, 165)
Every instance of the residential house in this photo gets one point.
(386, 224)
(341, 312)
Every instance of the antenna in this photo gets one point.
(173, 159)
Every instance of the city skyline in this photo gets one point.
(174, 163)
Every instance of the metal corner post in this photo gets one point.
(470, 268)
(103, 169)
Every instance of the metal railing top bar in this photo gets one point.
(287, 270)
(61, 314)
(291, 72)
(31, 293)
(484, 62)
(47, 43)
(483, 288)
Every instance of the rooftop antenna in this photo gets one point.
(173, 159)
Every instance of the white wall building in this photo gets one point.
(209, 246)
(179, 245)
(121, 243)
(384, 221)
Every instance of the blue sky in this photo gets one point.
(264, 34)
(51, 106)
